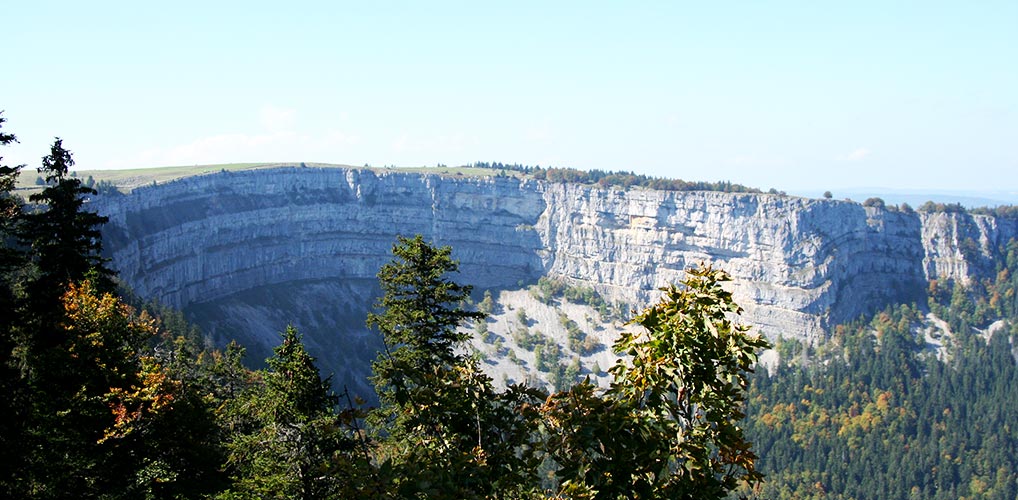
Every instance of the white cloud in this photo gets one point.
(542, 134)
(436, 144)
(338, 138)
(277, 119)
(857, 155)
(222, 148)
(754, 160)
(237, 148)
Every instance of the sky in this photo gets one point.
(790, 95)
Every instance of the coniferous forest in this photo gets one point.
(105, 400)
(105, 396)
(877, 413)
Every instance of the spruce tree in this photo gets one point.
(63, 237)
(10, 208)
(13, 404)
(296, 445)
(63, 244)
(443, 429)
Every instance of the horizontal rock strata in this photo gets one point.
(799, 264)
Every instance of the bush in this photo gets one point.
(874, 202)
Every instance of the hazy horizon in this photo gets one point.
(794, 96)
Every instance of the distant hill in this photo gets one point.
(915, 198)
(129, 179)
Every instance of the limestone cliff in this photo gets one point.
(247, 252)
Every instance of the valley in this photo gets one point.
(246, 252)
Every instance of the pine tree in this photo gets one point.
(296, 445)
(418, 318)
(63, 238)
(14, 403)
(62, 244)
(10, 208)
(420, 307)
(444, 430)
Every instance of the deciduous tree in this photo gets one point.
(94, 398)
(669, 426)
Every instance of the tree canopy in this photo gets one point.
(107, 400)
(669, 426)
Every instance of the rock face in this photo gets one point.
(204, 238)
(247, 252)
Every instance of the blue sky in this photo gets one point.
(791, 95)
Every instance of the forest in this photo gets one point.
(877, 413)
(610, 178)
(106, 396)
(106, 399)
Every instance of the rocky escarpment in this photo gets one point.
(247, 252)
(203, 238)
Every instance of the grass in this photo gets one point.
(465, 171)
(128, 179)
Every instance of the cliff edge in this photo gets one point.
(241, 251)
